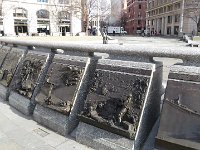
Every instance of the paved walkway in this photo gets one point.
(19, 132)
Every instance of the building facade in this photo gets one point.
(171, 17)
(51, 17)
(136, 16)
(116, 13)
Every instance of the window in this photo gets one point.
(177, 18)
(176, 29)
(64, 1)
(169, 19)
(64, 15)
(177, 6)
(42, 13)
(139, 22)
(140, 6)
(20, 12)
(139, 15)
(169, 30)
(44, 1)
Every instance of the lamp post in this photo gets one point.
(182, 17)
(98, 19)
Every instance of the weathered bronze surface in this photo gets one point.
(180, 119)
(28, 75)
(3, 53)
(60, 86)
(115, 102)
(8, 67)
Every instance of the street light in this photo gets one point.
(98, 26)
(182, 15)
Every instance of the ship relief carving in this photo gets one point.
(115, 102)
(28, 77)
(8, 68)
(60, 86)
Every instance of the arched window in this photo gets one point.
(42, 13)
(64, 15)
(20, 12)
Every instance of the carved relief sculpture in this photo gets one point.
(8, 67)
(60, 85)
(115, 102)
(29, 74)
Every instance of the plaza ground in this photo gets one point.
(19, 132)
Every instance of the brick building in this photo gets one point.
(136, 16)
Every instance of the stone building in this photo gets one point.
(51, 17)
(136, 16)
(116, 12)
(172, 17)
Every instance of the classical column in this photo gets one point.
(32, 21)
(181, 19)
(8, 20)
(165, 30)
(172, 25)
(75, 23)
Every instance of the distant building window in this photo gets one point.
(44, 1)
(20, 12)
(140, 6)
(42, 13)
(177, 18)
(63, 16)
(139, 22)
(64, 1)
(169, 19)
(169, 30)
(139, 15)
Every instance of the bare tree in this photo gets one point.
(90, 11)
(192, 11)
(62, 11)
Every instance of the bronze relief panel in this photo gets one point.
(60, 86)
(29, 73)
(9, 66)
(115, 102)
(3, 53)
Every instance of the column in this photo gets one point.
(75, 22)
(150, 25)
(53, 23)
(8, 20)
(172, 25)
(181, 19)
(32, 21)
(165, 29)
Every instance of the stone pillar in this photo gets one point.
(53, 24)
(172, 25)
(165, 29)
(32, 22)
(75, 21)
(163, 26)
(8, 20)
(150, 26)
(157, 25)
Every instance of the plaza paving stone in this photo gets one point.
(19, 132)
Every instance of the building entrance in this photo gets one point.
(64, 30)
(21, 27)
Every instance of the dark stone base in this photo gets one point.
(101, 139)
(51, 119)
(21, 103)
(3, 92)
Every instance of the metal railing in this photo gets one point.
(185, 53)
